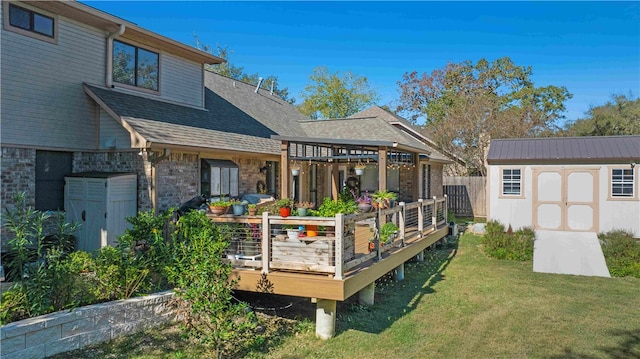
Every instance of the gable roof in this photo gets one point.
(406, 126)
(162, 123)
(361, 131)
(605, 149)
(232, 101)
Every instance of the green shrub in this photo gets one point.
(516, 246)
(203, 286)
(330, 208)
(621, 252)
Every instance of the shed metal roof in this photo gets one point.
(605, 149)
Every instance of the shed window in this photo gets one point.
(622, 182)
(511, 182)
(135, 66)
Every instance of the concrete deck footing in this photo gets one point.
(325, 318)
(367, 294)
(398, 273)
(420, 257)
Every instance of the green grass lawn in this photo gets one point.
(457, 304)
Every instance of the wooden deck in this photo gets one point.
(334, 265)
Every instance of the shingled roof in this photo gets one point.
(371, 131)
(405, 125)
(606, 149)
(235, 117)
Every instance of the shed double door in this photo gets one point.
(565, 199)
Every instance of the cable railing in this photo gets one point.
(327, 245)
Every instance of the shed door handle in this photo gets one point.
(84, 216)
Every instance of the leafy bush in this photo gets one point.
(517, 246)
(330, 208)
(621, 252)
(203, 285)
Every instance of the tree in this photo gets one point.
(331, 95)
(465, 105)
(236, 72)
(620, 116)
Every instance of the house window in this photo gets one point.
(135, 66)
(51, 168)
(218, 178)
(29, 22)
(511, 182)
(622, 182)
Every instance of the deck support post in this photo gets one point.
(325, 318)
(367, 294)
(398, 273)
(420, 256)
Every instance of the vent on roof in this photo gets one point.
(259, 83)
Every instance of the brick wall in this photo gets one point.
(177, 179)
(18, 174)
(407, 183)
(118, 162)
(64, 331)
(249, 173)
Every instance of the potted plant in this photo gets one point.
(359, 168)
(238, 207)
(303, 207)
(364, 202)
(284, 205)
(293, 233)
(252, 208)
(219, 207)
(382, 199)
(295, 169)
(388, 232)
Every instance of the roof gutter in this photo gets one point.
(109, 77)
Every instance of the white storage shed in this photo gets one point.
(101, 203)
(567, 184)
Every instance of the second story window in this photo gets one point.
(31, 23)
(135, 66)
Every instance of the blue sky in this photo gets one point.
(592, 48)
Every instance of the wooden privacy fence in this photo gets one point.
(467, 196)
(329, 245)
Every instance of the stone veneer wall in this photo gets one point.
(68, 330)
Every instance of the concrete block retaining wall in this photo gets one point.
(59, 332)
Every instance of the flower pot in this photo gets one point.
(285, 211)
(372, 246)
(302, 212)
(218, 210)
(252, 211)
(364, 207)
(312, 230)
(238, 209)
(295, 172)
(359, 171)
(293, 234)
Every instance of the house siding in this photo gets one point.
(181, 80)
(112, 133)
(42, 99)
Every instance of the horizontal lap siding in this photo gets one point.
(43, 103)
(112, 133)
(181, 80)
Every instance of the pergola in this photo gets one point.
(345, 151)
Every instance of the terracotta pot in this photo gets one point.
(312, 230)
(252, 211)
(285, 211)
(218, 210)
(372, 247)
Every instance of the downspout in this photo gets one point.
(109, 78)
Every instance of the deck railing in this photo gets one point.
(326, 245)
